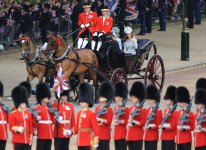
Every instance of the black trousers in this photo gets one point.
(149, 21)
(186, 146)
(2, 144)
(43, 144)
(168, 145)
(18, 146)
(103, 145)
(83, 147)
(135, 145)
(151, 145)
(120, 144)
(44, 35)
(61, 143)
(50, 81)
(200, 148)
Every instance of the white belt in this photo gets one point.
(64, 121)
(45, 122)
(3, 122)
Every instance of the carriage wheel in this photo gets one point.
(155, 72)
(119, 75)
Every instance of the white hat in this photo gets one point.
(115, 31)
(127, 30)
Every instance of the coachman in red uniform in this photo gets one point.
(169, 126)
(103, 28)
(3, 121)
(20, 120)
(183, 133)
(120, 122)
(104, 118)
(44, 124)
(151, 127)
(86, 126)
(87, 22)
(200, 120)
(136, 123)
(66, 121)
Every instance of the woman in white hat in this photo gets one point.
(130, 45)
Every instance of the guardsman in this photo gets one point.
(3, 121)
(136, 121)
(103, 28)
(104, 118)
(154, 118)
(120, 120)
(87, 22)
(66, 122)
(184, 124)
(44, 124)
(86, 126)
(200, 120)
(169, 126)
(20, 120)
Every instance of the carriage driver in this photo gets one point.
(87, 22)
(103, 27)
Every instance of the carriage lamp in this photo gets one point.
(185, 36)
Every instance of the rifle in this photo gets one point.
(4, 107)
(52, 110)
(185, 117)
(201, 118)
(167, 117)
(136, 111)
(151, 116)
(34, 112)
(119, 112)
(103, 110)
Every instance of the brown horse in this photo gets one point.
(36, 60)
(73, 62)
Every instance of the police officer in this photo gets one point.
(141, 5)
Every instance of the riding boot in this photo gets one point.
(93, 43)
(99, 44)
(85, 43)
(79, 43)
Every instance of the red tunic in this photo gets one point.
(3, 124)
(184, 136)
(21, 119)
(136, 132)
(152, 134)
(85, 127)
(169, 133)
(105, 26)
(120, 130)
(44, 126)
(106, 127)
(200, 137)
(67, 113)
(84, 18)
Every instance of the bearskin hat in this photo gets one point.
(64, 93)
(27, 85)
(182, 95)
(19, 95)
(1, 89)
(120, 89)
(170, 93)
(201, 83)
(42, 91)
(138, 90)
(200, 96)
(152, 93)
(106, 90)
(86, 94)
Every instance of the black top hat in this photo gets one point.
(182, 95)
(86, 5)
(86, 94)
(106, 90)
(19, 95)
(120, 89)
(152, 93)
(138, 90)
(104, 8)
(170, 93)
(42, 91)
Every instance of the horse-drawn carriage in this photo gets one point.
(109, 63)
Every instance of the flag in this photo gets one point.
(60, 83)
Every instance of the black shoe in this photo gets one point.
(161, 30)
(148, 31)
(141, 34)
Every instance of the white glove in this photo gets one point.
(20, 129)
(60, 119)
(82, 26)
(166, 125)
(100, 34)
(95, 34)
(87, 25)
(95, 146)
(67, 132)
